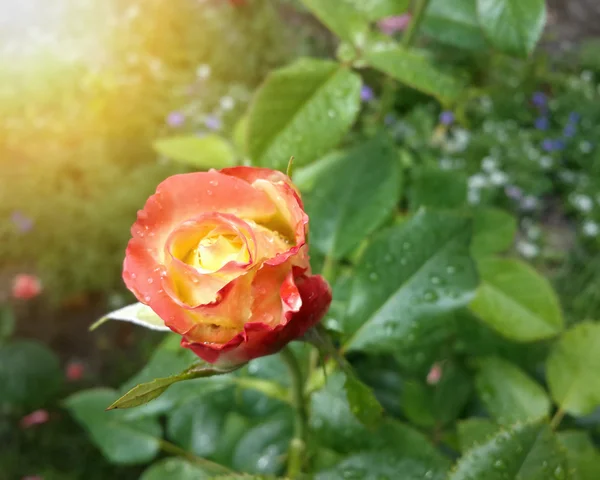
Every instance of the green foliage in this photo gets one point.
(572, 367)
(209, 151)
(526, 451)
(435, 276)
(30, 374)
(121, 439)
(351, 199)
(493, 231)
(509, 395)
(513, 26)
(302, 110)
(175, 469)
(516, 301)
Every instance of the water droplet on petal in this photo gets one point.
(150, 280)
(147, 298)
(214, 183)
(209, 192)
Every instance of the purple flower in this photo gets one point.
(392, 25)
(446, 118)
(574, 117)
(213, 122)
(539, 99)
(175, 119)
(542, 123)
(23, 223)
(366, 93)
(550, 145)
(569, 130)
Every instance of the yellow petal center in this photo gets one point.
(216, 251)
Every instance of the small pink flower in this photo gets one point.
(435, 374)
(74, 371)
(26, 287)
(393, 25)
(35, 418)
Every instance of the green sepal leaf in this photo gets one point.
(516, 301)
(201, 152)
(137, 313)
(145, 392)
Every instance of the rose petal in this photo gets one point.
(259, 339)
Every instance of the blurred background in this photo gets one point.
(87, 87)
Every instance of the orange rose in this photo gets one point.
(221, 257)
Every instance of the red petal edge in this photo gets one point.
(258, 339)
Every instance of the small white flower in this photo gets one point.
(529, 202)
(459, 141)
(498, 178)
(585, 146)
(473, 196)
(227, 103)
(567, 176)
(546, 161)
(489, 164)
(591, 229)
(446, 163)
(582, 202)
(486, 103)
(587, 76)
(203, 71)
(477, 181)
(527, 249)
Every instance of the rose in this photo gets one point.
(26, 287)
(221, 257)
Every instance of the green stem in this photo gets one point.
(415, 23)
(558, 416)
(297, 449)
(189, 456)
(329, 269)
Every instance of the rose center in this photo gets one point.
(215, 251)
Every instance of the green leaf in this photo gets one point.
(436, 188)
(377, 9)
(240, 134)
(408, 277)
(208, 151)
(583, 456)
(475, 431)
(572, 369)
(362, 401)
(122, 440)
(508, 393)
(262, 448)
(516, 301)
(145, 392)
(197, 424)
(174, 469)
(513, 26)
(494, 231)
(413, 69)
(455, 23)
(137, 313)
(528, 451)
(381, 465)
(303, 111)
(351, 199)
(30, 374)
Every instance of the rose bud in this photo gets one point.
(222, 258)
(435, 374)
(37, 417)
(26, 287)
(74, 371)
